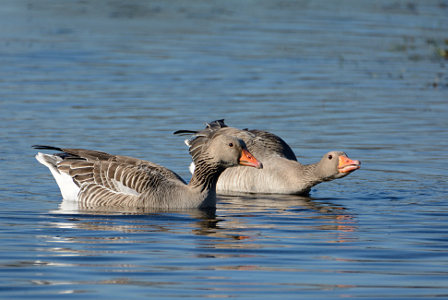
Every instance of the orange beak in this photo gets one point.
(248, 159)
(347, 165)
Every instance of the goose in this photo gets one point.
(281, 173)
(98, 179)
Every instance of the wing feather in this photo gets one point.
(106, 179)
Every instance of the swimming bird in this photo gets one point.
(281, 173)
(98, 179)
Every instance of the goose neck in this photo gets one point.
(311, 173)
(205, 176)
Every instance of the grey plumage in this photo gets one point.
(95, 178)
(281, 172)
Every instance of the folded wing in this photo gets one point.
(103, 178)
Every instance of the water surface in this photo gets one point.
(368, 78)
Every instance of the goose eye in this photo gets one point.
(330, 156)
(230, 145)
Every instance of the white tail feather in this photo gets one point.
(69, 189)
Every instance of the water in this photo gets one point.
(364, 77)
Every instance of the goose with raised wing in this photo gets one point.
(98, 179)
(281, 173)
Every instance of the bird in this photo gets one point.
(98, 179)
(282, 173)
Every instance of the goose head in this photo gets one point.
(336, 164)
(228, 151)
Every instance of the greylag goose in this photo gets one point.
(281, 173)
(99, 179)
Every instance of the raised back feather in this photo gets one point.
(200, 139)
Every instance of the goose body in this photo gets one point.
(281, 173)
(94, 178)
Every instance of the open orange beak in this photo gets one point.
(347, 165)
(248, 159)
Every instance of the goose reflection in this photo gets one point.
(240, 218)
(245, 233)
(252, 217)
(131, 220)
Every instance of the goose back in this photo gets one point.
(104, 179)
(260, 143)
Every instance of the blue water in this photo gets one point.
(365, 77)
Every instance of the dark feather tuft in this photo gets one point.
(44, 147)
(185, 132)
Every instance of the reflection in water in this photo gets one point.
(294, 217)
(72, 207)
(239, 224)
(242, 235)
